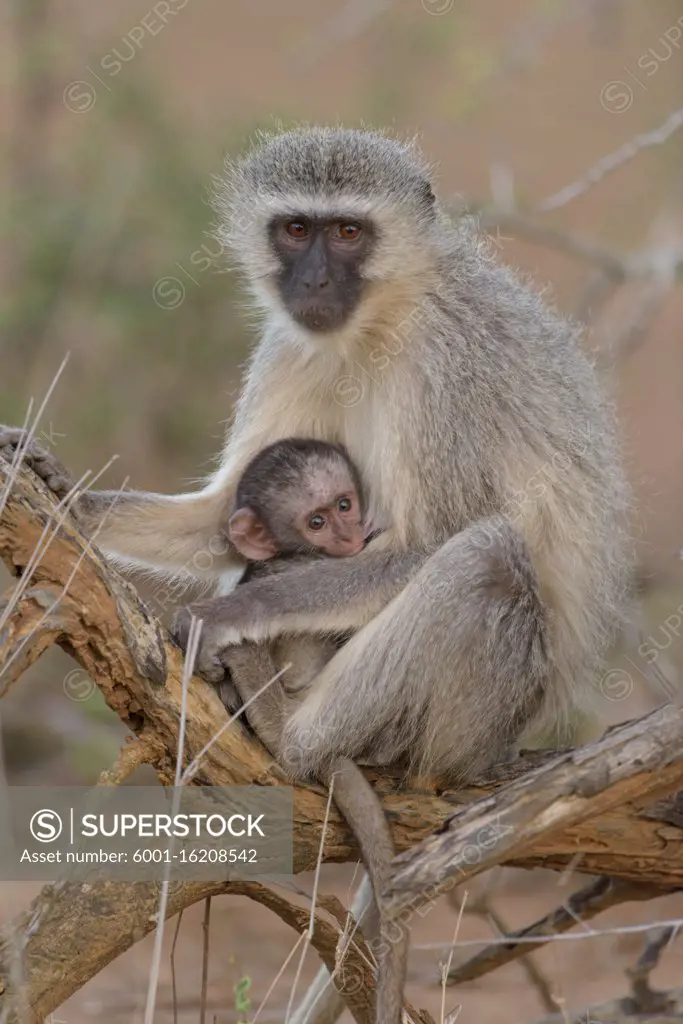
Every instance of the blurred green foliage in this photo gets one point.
(87, 276)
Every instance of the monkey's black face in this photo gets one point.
(320, 280)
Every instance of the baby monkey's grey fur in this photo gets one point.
(486, 449)
(298, 496)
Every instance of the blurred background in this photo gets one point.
(114, 119)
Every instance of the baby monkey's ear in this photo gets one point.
(250, 537)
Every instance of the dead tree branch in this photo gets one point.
(646, 999)
(635, 763)
(484, 906)
(607, 164)
(580, 907)
(643, 1005)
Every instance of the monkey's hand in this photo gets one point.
(226, 622)
(42, 462)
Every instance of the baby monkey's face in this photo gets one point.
(332, 521)
(297, 506)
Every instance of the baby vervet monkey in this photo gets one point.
(298, 496)
(302, 497)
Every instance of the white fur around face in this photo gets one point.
(322, 390)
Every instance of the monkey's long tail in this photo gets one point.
(363, 811)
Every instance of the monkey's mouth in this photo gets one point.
(348, 551)
(355, 549)
(318, 317)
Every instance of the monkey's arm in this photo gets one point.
(322, 596)
(160, 531)
(152, 530)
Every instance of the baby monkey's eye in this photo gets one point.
(344, 504)
(316, 522)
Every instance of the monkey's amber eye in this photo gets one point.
(296, 229)
(316, 522)
(349, 232)
(344, 504)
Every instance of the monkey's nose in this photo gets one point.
(317, 282)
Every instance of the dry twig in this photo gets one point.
(581, 906)
(484, 907)
(607, 164)
(643, 1005)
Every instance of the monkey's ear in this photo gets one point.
(250, 536)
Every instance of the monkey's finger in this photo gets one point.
(10, 437)
(227, 691)
(207, 663)
(180, 629)
(209, 667)
(53, 473)
(42, 462)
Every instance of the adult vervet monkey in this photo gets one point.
(483, 440)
